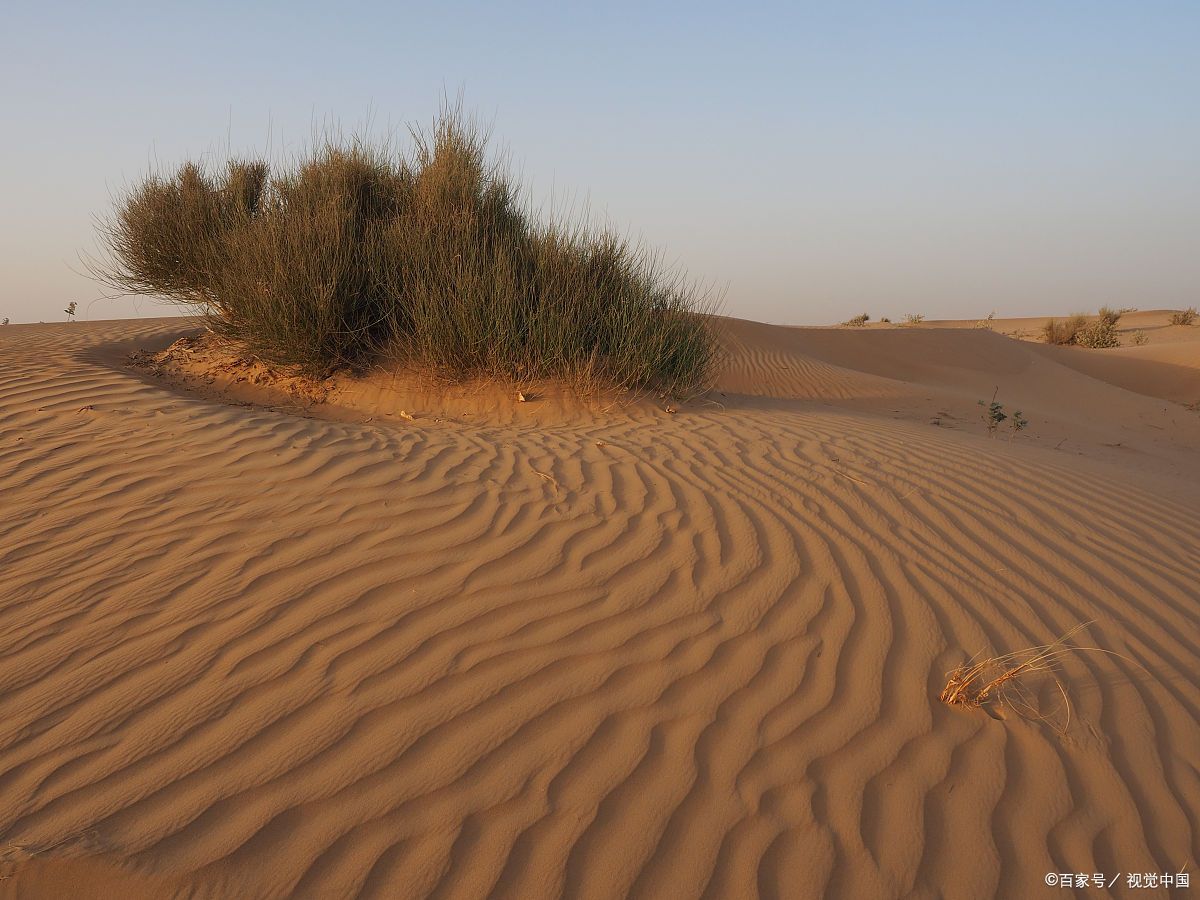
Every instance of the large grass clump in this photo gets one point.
(1080, 331)
(1098, 335)
(356, 254)
(1064, 331)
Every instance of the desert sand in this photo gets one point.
(257, 646)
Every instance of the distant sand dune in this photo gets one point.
(250, 653)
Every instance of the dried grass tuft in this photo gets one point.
(998, 679)
(1064, 331)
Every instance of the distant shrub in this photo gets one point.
(1097, 335)
(70, 310)
(886, 320)
(356, 254)
(988, 322)
(1186, 317)
(1110, 316)
(1140, 338)
(858, 321)
(913, 318)
(1064, 331)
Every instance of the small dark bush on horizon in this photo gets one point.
(356, 255)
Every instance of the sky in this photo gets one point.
(805, 161)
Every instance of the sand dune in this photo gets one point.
(597, 652)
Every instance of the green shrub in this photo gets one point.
(1140, 339)
(913, 318)
(993, 415)
(356, 255)
(858, 321)
(1186, 317)
(1110, 316)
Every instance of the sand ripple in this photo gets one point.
(246, 653)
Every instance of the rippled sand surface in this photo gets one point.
(246, 652)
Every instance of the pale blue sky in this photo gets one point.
(813, 160)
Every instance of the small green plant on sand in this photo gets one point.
(6, 320)
(1139, 338)
(993, 416)
(1016, 423)
(70, 311)
(913, 318)
(858, 321)
(988, 322)
(1186, 317)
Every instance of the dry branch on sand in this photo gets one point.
(997, 679)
